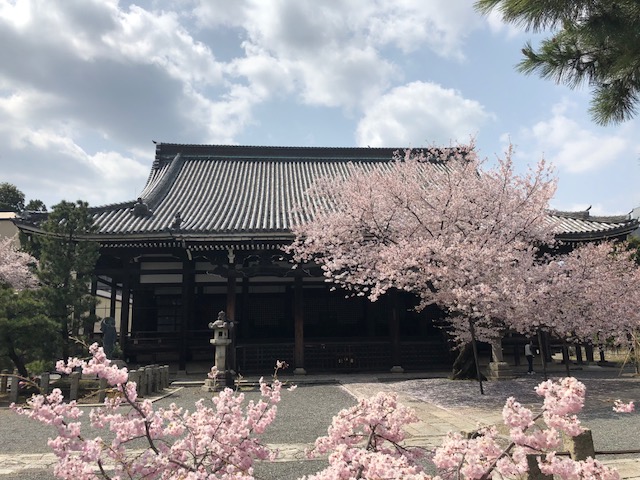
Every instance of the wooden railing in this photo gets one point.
(319, 356)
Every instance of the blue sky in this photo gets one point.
(86, 85)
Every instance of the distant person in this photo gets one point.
(528, 352)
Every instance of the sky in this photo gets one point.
(86, 86)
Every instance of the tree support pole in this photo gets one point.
(475, 355)
(543, 355)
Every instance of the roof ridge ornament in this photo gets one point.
(141, 209)
(177, 220)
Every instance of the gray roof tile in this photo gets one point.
(233, 191)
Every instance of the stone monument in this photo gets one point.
(108, 329)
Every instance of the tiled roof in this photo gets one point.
(228, 194)
(233, 190)
(580, 226)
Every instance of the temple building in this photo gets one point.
(206, 235)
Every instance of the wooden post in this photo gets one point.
(74, 380)
(4, 379)
(565, 357)
(588, 350)
(15, 389)
(581, 446)
(165, 376)
(44, 383)
(298, 320)
(148, 373)
(516, 354)
(394, 333)
(231, 315)
(102, 392)
(188, 281)
(92, 310)
(476, 358)
(134, 376)
(113, 299)
(543, 356)
(533, 470)
(579, 359)
(142, 382)
(124, 305)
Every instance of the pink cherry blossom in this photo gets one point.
(16, 267)
(433, 223)
(621, 407)
(219, 439)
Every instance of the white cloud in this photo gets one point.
(68, 171)
(159, 39)
(497, 25)
(572, 147)
(331, 51)
(419, 114)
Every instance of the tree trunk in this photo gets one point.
(464, 366)
(18, 362)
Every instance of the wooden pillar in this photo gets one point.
(124, 304)
(188, 282)
(244, 325)
(394, 333)
(92, 311)
(588, 350)
(113, 300)
(298, 320)
(579, 359)
(231, 315)
(94, 292)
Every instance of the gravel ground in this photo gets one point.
(305, 414)
(611, 430)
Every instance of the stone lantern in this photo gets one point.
(221, 340)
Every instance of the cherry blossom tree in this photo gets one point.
(24, 329)
(587, 295)
(15, 266)
(435, 223)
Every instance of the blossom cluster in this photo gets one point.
(220, 439)
(365, 441)
(529, 434)
(16, 266)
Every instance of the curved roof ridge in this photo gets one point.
(152, 194)
(249, 152)
(585, 215)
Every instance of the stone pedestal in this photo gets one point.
(581, 446)
(221, 380)
(212, 385)
(299, 371)
(500, 371)
(397, 369)
(534, 472)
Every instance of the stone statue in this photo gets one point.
(108, 329)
